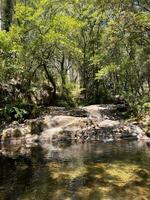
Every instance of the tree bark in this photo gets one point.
(50, 78)
(63, 75)
(7, 15)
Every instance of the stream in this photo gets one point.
(75, 171)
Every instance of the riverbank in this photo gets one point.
(90, 123)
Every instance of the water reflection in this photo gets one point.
(75, 171)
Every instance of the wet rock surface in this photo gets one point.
(95, 122)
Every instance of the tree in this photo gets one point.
(41, 46)
(105, 44)
(7, 13)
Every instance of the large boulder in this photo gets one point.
(51, 127)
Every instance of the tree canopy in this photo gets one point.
(87, 50)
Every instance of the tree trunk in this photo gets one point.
(50, 78)
(7, 14)
(63, 75)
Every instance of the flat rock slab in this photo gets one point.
(99, 123)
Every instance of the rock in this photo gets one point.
(108, 140)
(148, 143)
(31, 138)
(109, 123)
(17, 133)
(66, 128)
(37, 126)
(122, 107)
(6, 134)
(131, 132)
(50, 134)
(15, 123)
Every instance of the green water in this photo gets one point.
(109, 171)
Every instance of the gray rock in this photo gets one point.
(63, 127)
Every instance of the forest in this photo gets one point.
(73, 52)
(74, 99)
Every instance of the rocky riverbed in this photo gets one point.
(89, 123)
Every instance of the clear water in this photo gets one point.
(91, 171)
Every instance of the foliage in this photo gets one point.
(82, 50)
(105, 71)
(13, 112)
